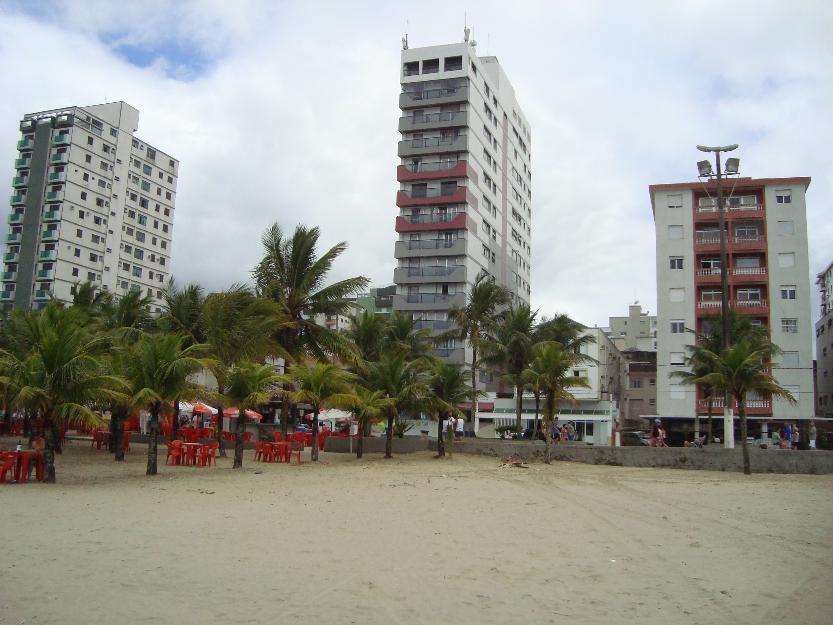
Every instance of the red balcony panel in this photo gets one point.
(460, 170)
(706, 276)
(707, 245)
(757, 308)
(753, 406)
(460, 222)
(460, 196)
(741, 244)
(751, 275)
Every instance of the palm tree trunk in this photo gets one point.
(313, 454)
(117, 425)
(537, 407)
(547, 438)
(221, 448)
(518, 405)
(238, 439)
(389, 437)
(285, 408)
(50, 442)
(747, 469)
(473, 383)
(440, 440)
(709, 431)
(114, 426)
(450, 435)
(153, 440)
(360, 441)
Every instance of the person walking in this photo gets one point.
(811, 435)
(459, 428)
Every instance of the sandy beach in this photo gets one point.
(412, 540)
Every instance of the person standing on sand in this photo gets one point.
(796, 436)
(655, 434)
(459, 428)
(812, 435)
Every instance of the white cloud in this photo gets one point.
(294, 118)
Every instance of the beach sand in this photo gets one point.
(412, 540)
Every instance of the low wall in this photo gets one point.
(708, 459)
(374, 444)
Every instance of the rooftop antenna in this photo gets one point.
(466, 29)
(405, 38)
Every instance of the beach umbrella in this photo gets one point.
(204, 408)
(232, 413)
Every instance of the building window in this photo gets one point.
(786, 228)
(675, 200)
(83, 195)
(636, 383)
(790, 326)
(676, 262)
(138, 254)
(675, 232)
(786, 260)
(676, 295)
(652, 382)
(75, 272)
(677, 327)
(677, 392)
(652, 402)
(151, 154)
(143, 220)
(140, 236)
(789, 360)
(783, 196)
(677, 358)
(137, 271)
(77, 253)
(89, 140)
(88, 158)
(147, 169)
(788, 291)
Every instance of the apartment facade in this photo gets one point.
(636, 331)
(768, 280)
(465, 194)
(378, 300)
(91, 203)
(824, 345)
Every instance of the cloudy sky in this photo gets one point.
(287, 112)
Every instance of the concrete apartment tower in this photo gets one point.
(92, 203)
(824, 345)
(768, 281)
(465, 185)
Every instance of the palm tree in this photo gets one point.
(63, 374)
(367, 331)
(508, 348)
(249, 385)
(369, 406)
(401, 380)
(159, 368)
(551, 367)
(322, 385)
(238, 326)
(292, 274)
(404, 336)
(448, 389)
(743, 368)
(485, 299)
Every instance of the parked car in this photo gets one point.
(635, 439)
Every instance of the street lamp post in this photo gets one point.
(705, 171)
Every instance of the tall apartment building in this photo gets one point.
(465, 179)
(636, 331)
(766, 229)
(91, 203)
(824, 345)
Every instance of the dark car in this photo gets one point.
(635, 439)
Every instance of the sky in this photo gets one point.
(287, 112)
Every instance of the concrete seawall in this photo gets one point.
(709, 459)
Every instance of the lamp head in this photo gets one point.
(732, 166)
(705, 169)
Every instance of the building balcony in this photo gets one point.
(748, 243)
(11, 257)
(25, 144)
(460, 195)
(428, 301)
(432, 97)
(433, 121)
(747, 275)
(54, 196)
(22, 163)
(432, 324)
(429, 247)
(41, 295)
(6, 296)
(56, 176)
(20, 181)
(52, 215)
(756, 307)
(49, 235)
(451, 355)
(707, 276)
(435, 171)
(707, 243)
(9, 276)
(46, 274)
(62, 138)
(18, 199)
(62, 157)
(433, 145)
(426, 275)
(710, 307)
(13, 238)
(421, 223)
(15, 218)
(47, 255)
(745, 211)
(753, 406)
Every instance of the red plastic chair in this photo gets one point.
(125, 440)
(295, 449)
(7, 465)
(212, 452)
(247, 436)
(299, 437)
(175, 451)
(258, 451)
(278, 437)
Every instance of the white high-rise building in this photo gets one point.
(91, 203)
(465, 174)
(766, 227)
